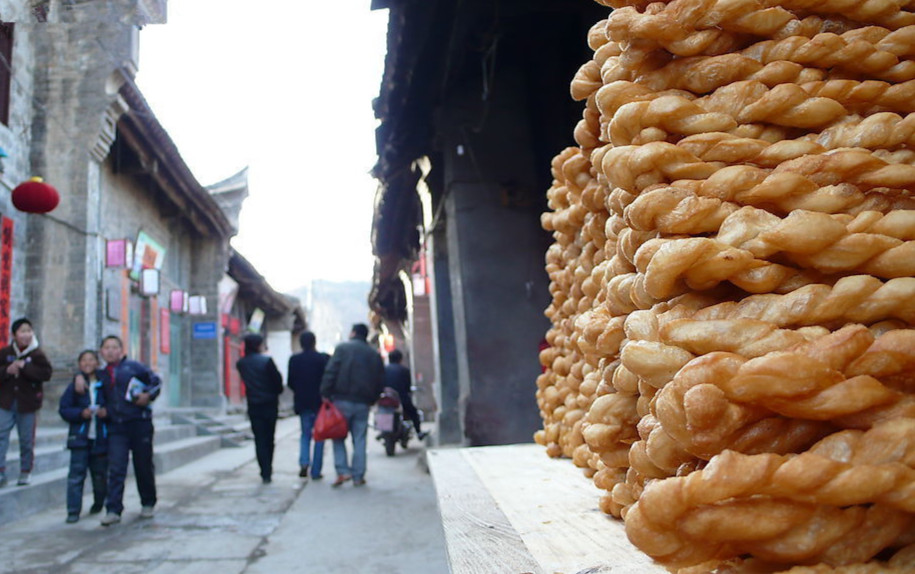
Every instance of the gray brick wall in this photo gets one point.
(210, 259)
(62, 260)
(16, 139)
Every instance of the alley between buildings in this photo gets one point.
(214, 515)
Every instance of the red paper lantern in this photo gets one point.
(35, 196)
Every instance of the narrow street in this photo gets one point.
(214, 515)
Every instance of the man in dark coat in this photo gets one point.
(263, 386)
(305, 372)
(353, 380)
(397, 376)
(25, 367)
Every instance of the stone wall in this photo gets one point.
(136, 12)
(498, 285)
(72, 99)
(15, 139)
(210, 259)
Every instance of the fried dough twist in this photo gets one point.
(801, 507)
(873, 51)
(858, 299)
(826, 378)
(868, 242)
(677, 28)
(833, 182)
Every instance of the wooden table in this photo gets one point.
(513, 510)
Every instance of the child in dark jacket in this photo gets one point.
(83, 406)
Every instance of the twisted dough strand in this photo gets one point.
(882, 130)
(867, 96)
(887, 13)
(847, 469)
(829, 244)
(872, 51)
(857, 298)
(809, 105)
(677, 211)
(704, 421)
(704, 74)
(677, 115)
(813, 381)
(699, 263)
(877, 132)
(680, 35)
(832, 182)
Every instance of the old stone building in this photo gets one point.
(137, 247)
(473, 105)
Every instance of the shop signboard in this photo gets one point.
(205, 330)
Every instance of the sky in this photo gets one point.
(285, 89)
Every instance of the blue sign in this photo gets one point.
(205, 330)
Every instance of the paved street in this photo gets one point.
(214, 515)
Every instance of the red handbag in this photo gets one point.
(330, 423)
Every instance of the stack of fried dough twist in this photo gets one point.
(732, 350)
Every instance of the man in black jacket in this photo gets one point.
(129, 387)
(263, 386)
(353, 379)
(397, 376)
(305, 372)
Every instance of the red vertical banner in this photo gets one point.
(6, 277)
(125, 310)
(165, 334)
(154, 331)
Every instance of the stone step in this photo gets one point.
(51, 455)
(56, 433)
(180, 452)
(49, 488)
(233, 430)
(235, 439)
(47, 458)
(44, 436)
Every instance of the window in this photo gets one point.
(6, 70)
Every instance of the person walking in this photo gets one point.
(25, 369)
(263, 386)
(129, 389)
(305, 371)
(397, 376)
(83, 406)
(353, 380)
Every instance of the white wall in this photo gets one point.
(279, 346)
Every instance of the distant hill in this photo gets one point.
(332, 307)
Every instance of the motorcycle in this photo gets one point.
(390, 423)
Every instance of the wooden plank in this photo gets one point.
(553, 507)
(478, 536)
